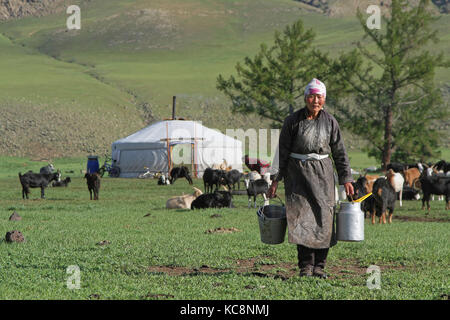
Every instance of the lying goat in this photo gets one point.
(162, 180)
(36, 180)
(184, 201)
(218, 199)
(62, 183)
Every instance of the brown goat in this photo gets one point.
(411, 175)
(93, 183)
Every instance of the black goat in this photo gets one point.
(212, 177)
(62, 183)
(360, 190)
(218, 199)
(254, 188)
(179, 172)
(93, 183)
(384, 197)
(36, 180)
(442, 165)
(232, 177)
(49, 169)
(438, 185)
(409, 193)
(397, 167)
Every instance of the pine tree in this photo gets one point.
(397, 103)
(271, 84)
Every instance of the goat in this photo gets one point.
(396, 180)
(49, 169)
(384, 197)
(254, 175)
(232, 177)
(184, 201)
(256, 187)
(397, 167)
(179, 172)
(431, 171)
(370, 180)
(411, 175)
(212, 177)
(360, 190)
(62, 183)
(410, 193)
(162, 180)
(93, 183)
(222, 166)
(36, 180)
(442, 165)
(218, 199)
(439, 185)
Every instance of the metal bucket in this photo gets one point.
(272, 224)
(350, 222)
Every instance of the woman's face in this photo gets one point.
(314, 103)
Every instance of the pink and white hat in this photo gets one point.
(316, 87)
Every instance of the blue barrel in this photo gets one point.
(92, 164)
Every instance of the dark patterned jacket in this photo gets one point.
(321, 136)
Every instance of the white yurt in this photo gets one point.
(166, 144)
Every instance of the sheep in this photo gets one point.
(256, 187)
(36, 180)
(93, 183)
(184, 201)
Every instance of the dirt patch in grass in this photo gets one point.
(340, 269)
(222, 230)
(420, 219)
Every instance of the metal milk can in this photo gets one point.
(350, 222)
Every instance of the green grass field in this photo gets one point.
(169, 254)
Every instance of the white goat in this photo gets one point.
(396, 180)
(267, 178)
(254, 175)
(184, 201)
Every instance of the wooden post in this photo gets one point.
(173, 107)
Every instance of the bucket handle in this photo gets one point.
(276, 197)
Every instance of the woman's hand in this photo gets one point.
(271, 193)
(349, 188)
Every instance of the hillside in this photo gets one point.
(74, 92)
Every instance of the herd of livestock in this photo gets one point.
(400, 182)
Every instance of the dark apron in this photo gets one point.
(310, 200)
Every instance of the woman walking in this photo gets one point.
(307, 140)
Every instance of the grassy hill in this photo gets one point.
(74, 92)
